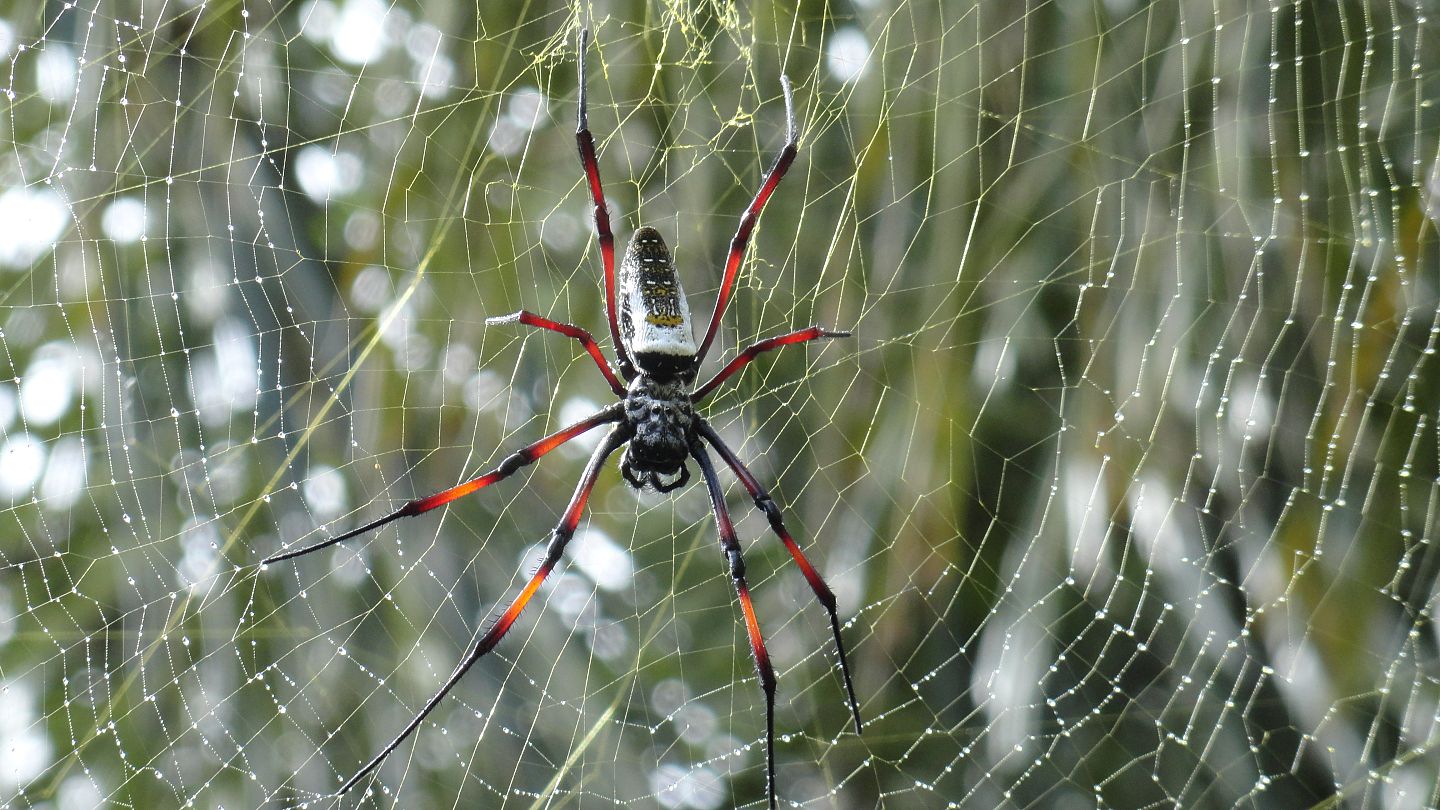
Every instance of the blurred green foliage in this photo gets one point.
(1126, 481)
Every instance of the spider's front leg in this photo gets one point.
(822, 591)
(512, 464)
(559, 538)
(731, 547)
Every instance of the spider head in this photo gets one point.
(640, 476)
(662, 427)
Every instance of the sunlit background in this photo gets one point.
(1126, 482)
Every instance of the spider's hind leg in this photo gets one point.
(752, 216)
(585, 142)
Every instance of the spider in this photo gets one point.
(655, 421)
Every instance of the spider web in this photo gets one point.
(1126, 482)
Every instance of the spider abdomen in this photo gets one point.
(654, 316)
(662, 429)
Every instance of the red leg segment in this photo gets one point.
(731, 546)
(558, 540)
(752, 215)
(509, 466)
(743, 359)
(823, 594)
(568, 330)
(586, 143)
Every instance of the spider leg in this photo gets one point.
(817, 584)
(741, 239)
(558, 540)
(568, 330)
(586, 144)
(509, 466)
(743, 359)
(752, 624)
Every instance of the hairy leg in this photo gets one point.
(558, 540)
(822, 591)
(731, 547)
(586, 144)
(741, 239)
(743, 359)
(568, 330)
(509, 466)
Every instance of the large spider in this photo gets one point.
(655, 420)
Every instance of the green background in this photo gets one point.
(1126, 481)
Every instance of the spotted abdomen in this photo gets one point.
(654, 317)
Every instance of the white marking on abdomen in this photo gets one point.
(654, 315)
(661, 321)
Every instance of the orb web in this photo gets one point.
(1126, 482)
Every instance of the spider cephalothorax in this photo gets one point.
(655, 420)
(659, 414)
